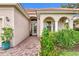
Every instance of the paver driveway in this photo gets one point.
(29, 47)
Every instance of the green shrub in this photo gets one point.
(52, 38)
(52, 42)
(76, 36)
(7, 34)
(47, 44)
(67, 38)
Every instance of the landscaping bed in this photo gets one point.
(59, 43)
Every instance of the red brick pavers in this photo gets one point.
(29, 47)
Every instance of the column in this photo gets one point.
(38, 26)
(56, 26)
(71, 24)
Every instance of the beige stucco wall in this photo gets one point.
(18, 22)
(21, 27)
(56, 17)
(7, 12)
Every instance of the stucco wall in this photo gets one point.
(21, 27)
(6, 12)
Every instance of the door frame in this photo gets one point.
(32, 27)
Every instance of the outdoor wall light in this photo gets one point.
(7, 19)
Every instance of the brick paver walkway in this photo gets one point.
(29, 47)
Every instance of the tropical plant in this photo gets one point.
(6, 36)
(53, 43)
(67, 38)
(48, 47)
(76, 36)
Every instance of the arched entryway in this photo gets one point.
(76, 23)
(33, 25)
(63, 23)
(49, 23)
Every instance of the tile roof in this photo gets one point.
(33, 11)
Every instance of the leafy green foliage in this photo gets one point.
(53, 42)
(65, 38)
(7, 35)
(47, 44)
(76, 36)
(70, 5)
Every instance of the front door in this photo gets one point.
(34, 27)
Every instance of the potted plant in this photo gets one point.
(6, 36)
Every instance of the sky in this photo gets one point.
(41, 5)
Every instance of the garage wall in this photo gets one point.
(21, 27)
(6, 12)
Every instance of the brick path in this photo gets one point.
(29, 47)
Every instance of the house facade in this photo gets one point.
(26, 22)
(53, 18)
(13, 15)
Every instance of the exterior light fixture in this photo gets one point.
(7, 19)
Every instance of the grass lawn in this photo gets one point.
(66, 53)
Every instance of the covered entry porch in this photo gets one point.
(56, 22)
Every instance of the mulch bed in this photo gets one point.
(76, 48)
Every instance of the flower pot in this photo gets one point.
(6, 45)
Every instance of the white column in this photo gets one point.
(71, 24)
(38, 26)
(56, 26)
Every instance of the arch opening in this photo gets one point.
(49, 23)
(33, 25)
(76, 23)
(63, 23)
